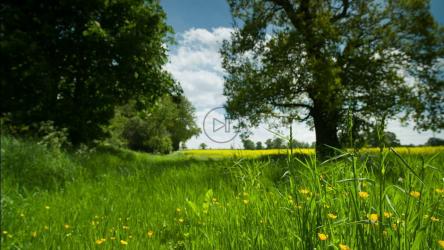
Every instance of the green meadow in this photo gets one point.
(109, 198)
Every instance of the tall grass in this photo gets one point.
(112, 198)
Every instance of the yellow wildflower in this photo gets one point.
(322, 236)
(332, 216)
(363, 195)
(245, 194)
(344, 247)
(100, 241)
(47, 207)
(415, 194)
(5, 232)
(34, 234)
(150, 234)
(246, 202)
(112, 238)
(178, 210)
(387, 214)
(181, 220)
(434, 219)
(214, 200)
(373, 217)
(125, 227)
(46, 228)
(304, 191)
(66, 226)
(441, 243)
(123, 242)
(22, 215)
(439, 190)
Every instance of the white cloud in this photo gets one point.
(196, 63)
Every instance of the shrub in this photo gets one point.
(34, 166)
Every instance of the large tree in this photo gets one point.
(318, 60)
(72, 62)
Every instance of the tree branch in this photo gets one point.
(345, 6)
(292, 14)
(292, 105)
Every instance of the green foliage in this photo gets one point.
(72, 62)
(369, 138)
(435, 142)
(30, 165)
(318, 61)
(388, 140)
(299, 144)
(248, 144)
(52, 137)
(203, 146)
(159, 128)
(160, 144)
(136, 132)
(275, 143)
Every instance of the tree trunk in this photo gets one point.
(326, 128)
(176, 145)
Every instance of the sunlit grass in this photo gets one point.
(115, 199)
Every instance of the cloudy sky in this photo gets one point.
(201, 26)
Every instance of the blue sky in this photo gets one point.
(207, 14)
(201, 26)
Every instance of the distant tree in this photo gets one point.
(136, 133)
(203, 146)
(183, 125)
(388, 139)
(298, 144)
(72, 62)
(391, 140)
(160, 128)
(278, 143)
(433, 141)
(269, 143)
(317, 60)
(259, 145)
(248, 144)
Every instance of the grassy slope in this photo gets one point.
(52, 199)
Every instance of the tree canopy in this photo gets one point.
(434, 141)
(248, 144)
(159, 129)
(318, 61)
(72, 62)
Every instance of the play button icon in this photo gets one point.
(217, 127)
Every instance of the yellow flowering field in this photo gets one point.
(218, 153)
